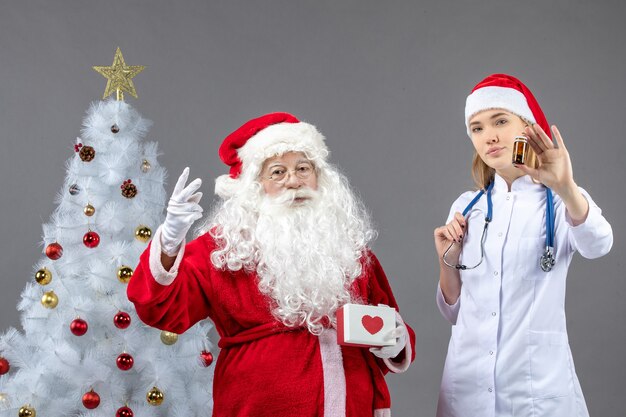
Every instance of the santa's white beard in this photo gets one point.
(307, 258)
(306, 253)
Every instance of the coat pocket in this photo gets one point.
(550, 369)
(529, 252)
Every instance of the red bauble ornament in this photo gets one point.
(125, 361)
(121, 320)
(78, 327)
(91, 239)
(91, 400)
(4, 366)
(54, 251)
(124, 412)
(207, 358)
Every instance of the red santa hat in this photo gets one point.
(272, 134)
(502, 91)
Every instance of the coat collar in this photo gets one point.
(522, 183)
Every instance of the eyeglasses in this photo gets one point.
(279, 173)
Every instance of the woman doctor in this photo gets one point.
(504, 255)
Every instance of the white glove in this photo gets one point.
(401, 334)
(182, 210)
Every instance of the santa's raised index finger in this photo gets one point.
(180, 184)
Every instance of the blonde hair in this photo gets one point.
(483, 175)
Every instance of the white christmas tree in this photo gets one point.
(83, 350)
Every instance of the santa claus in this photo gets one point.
(285, 248)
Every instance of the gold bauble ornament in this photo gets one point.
(4, 399)
(168, 338)
(27, 411)
(145, 166)
(119, 77)
(124, 273)
(43, 276)
(155, 396)
(89, 210)
(143, 233)
(49, 299)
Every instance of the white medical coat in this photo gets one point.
(509, 354)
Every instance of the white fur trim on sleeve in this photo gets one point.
(159, 273)
(382, 412)
(497, 98)
(399, 367)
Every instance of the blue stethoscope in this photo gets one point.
(546, 261)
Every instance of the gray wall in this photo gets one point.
(384, 81)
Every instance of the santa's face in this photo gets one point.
(291, 171)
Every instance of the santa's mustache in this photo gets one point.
(289, 197)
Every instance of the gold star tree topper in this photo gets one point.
(119, 76)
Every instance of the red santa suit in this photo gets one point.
(265, 368)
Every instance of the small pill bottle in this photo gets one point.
(520, 146)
